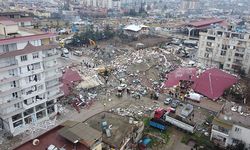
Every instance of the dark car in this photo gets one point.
(175, 103)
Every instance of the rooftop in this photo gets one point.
(29, 48)
(48, 138)
(205, 22)
(21, 38)
(235, 114)
(82, 132)
(119, 130)
(135, 28)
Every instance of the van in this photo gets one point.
(65, 52)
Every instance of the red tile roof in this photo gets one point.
(68, 78)
(213, 82)
(25, 38)
(206, 22)
(174, 77)
(29, 48)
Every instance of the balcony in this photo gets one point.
(37, 71)
(5, 114)
(9, 79)
(55, 76)
(53, 86)
(55, 96)
(8, 66)
(11, 102)
(51, 56)
(32, 83)
(33, 94)
(52, 67)
(12, 90)
(38, 102)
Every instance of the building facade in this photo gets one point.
(225, 133)
(29, 77)
(231, 125)
(225, 49)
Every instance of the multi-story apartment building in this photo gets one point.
(225, 49)
(29, 76)
(231, 126)
(108, 4)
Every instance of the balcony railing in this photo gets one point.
(10, 102)
(50, 56)
(9, 79)
(54, 96)
(6, 115)
(12, 90)
(54, 76)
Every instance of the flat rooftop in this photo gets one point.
(119, 130)
(235, 114)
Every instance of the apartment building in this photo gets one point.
(29, 77)
(108, 4)
(231, 126)
(226, 49)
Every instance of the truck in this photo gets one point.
(158, 124)
(164, 115)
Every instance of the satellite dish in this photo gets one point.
(35, 142)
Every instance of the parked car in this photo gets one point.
(167, 101)
(77, 53)
(175, 103)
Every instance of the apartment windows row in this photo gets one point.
(25, 57)
(8, 48)
(33, 89)
(34, 99)
(32, 115)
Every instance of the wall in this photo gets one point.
(240, 133)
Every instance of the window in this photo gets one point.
(229, 59)
(16, 117)
(228, 65)
(211, 38)
(24, 58)
(18, 123)
(12, 72)
(237, 129)
(209, 44)
(35, 55)
(224, 47)
(17, 105)
(239, 55)
(223, 53)
(209, 49)
(206, 55)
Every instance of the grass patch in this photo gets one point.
(158, 137)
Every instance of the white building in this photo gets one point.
(29, 77)
(231, 126)
(108, 4)
(136, 30)
(225, 49)
(189, 5)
